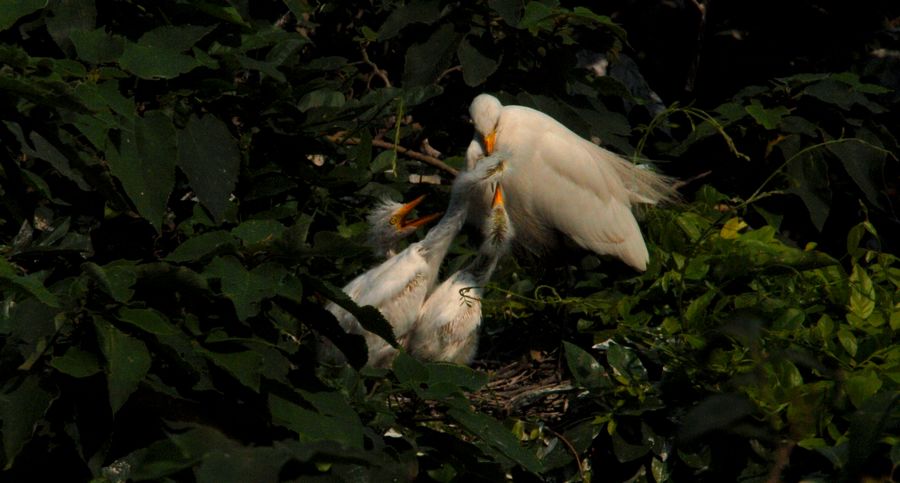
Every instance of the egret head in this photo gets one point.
(485, 112)
(498, 231)
(388, 224)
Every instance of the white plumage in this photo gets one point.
(398, 286)
(446, 328)
(562, 182)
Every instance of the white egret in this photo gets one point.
(561, 182)
(446, 328)
(388, 225)
(398, 286)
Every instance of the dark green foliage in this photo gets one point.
(184, 186)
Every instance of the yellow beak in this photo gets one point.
(498, 197)
(489, 142)
(408, 207)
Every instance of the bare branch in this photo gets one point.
(455, 68)
(379, 143)
(378, 71)
(681, 183)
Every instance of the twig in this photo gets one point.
(681, 183)
(378, 71)
(571, 449)
(782, 459)
(437, 163)
(455, 68)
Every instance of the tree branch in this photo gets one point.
(379, 143)
(378, 71)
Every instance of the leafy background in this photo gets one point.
(185, 183)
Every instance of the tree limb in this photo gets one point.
(379, 143)
(378, 71)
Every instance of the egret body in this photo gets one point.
(561, 182)
(446, 328)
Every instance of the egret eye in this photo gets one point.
(395, 220)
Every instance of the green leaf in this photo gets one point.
(321, 98)
(423, 11)
(538, 16)
(245, 366)
(509, 10)
(144, 161)
(768, 118)
(497, 437)
(847, 340)
(197, 247)
(77, 363)
(864, 163)
(253, 232)
(808, 179)
(116, 278)
(409, 371)
(98, 46)
(584, 368)
(862, 293)
(157, 54)
(16, 9)
(626, 365)
(148, 320)
(426, 61)
(476, 67)
(626, 451)
(127, 361)
(867, 428)
(30, 284)
(368, 317)
(861, 386)
(697, 308)
(456, 375)
(315, 426)
(246, 289)
(21, 408)
(716, 412)
(45, 150)
(209, 156)
(69, 16)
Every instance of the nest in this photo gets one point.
(532, 388)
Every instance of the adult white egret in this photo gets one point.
(388, 225)
(563, 182)
(446, 328)
(398, 286)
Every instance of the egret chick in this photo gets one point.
(388, 225)
(446, 328)
(398, 286)
(562, 182)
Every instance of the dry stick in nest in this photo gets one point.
(437, 163)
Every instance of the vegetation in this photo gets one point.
(185, 183)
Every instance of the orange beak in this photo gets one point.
(498, 197)
(489, 142)
(408, 207)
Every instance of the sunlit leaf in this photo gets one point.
(862, 293)
(495, 435)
